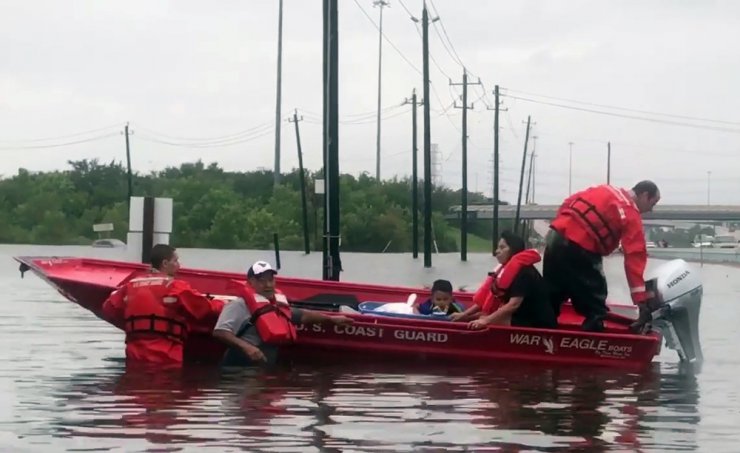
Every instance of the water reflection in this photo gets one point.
(48, 404)
(511, 408)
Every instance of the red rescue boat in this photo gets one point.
(88, 282)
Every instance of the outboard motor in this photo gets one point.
(676, 312)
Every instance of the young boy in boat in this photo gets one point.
(515, 293)
(441, 300)
(157, 311)
(242, 334)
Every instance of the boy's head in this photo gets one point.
(442, 293)
(164, 258)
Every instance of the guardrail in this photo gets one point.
(699, 254)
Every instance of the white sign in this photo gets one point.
(162, 215)
(318, 186)
(100, 227)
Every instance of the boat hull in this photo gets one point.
(88, 282)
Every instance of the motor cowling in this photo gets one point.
(674, 279)
(675, 310)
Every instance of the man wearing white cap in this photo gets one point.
(235, 329)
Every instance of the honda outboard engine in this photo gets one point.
(676, 313)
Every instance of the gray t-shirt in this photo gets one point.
(235, 318)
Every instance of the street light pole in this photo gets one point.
(709, 181)
(570, 168)
(380, 4)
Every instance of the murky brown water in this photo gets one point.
(63, 385)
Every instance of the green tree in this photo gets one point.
(213, 207)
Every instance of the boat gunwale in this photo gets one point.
(439, 325)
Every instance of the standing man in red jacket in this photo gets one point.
(157, 312)
(588, 226)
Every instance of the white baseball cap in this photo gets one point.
(259, 268)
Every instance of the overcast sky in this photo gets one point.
(187, 69)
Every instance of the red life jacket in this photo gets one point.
(596, 218)
(151, 311)
(502, 279)
(483, 297)
(270, 317)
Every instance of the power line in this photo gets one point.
(670, 115)
(208, 139)
(444, 44)
(620, 115)
(456, 58)
(387, 39)
(351, 116)
(227, 140)
(431, 57)
(209, 145)
(372, 119)
(629, 146)
(60, 137)
(441, 23)
(56, 145)
(434, 60)
(437, 65)
(407, 10)
(452, 52)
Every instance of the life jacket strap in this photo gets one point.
(156, 325)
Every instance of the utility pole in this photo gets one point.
(521, 176)
(332, 263)
(608, 162)
(427, 142)
(128, 166)
(414, 176)
(301, 176)
(380, 4)
(526, 231)
(278, 113)
(464, 211)
(494, 232)
(534, 176)
(570, 168)
(427, 137)
(531, 168)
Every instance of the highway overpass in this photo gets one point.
(718, 213)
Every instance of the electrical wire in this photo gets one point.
(387, 39)
(648, 112)
(57, 145)
(208, 139)
(205, 145)
(60, 137)
(621, 115)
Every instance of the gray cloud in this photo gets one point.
(190, 69)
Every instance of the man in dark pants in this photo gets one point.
(588, 226)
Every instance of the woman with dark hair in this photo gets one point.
(515, 293)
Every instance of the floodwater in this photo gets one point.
(63, 384)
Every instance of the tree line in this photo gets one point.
(214, 208)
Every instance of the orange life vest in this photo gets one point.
(502, 277)
(151, 311)
(270, 317)
(595, 218)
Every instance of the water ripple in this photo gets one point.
(64, 386)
